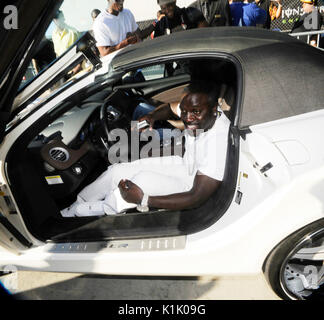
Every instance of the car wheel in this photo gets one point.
(295, 267)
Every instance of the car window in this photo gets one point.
(153, 72)
(161, 71)
(70, 22)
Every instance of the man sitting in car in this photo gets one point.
(171, 182)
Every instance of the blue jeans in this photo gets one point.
(143, 109)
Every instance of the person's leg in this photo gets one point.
(108, 182)
(153, 184)
(169, 179)
(141, 110)
(90, 199)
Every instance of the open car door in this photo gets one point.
(18, 97)
(18, 43)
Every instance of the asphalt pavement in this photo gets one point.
(29, 285)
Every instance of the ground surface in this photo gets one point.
(64, 286)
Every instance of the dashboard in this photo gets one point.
(74, 124)
(71, 149)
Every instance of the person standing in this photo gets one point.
(115, 28)
(63, 36)
(216, 12)
(310, 21)
(273, 8)
(173, 19)
(246, 14)
(94, 14)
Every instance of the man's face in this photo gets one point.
(60, 21)
(196, 113)
(116, 5)
(307, 7)
(169, 9)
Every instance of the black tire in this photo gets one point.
(276, 260)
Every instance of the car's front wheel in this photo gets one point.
(295, 267)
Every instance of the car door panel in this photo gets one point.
(272, 155)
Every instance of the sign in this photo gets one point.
(10, 19)
(291, 11)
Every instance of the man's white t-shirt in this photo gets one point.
(109, 30)
(207, 152)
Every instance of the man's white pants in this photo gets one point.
(157, 176)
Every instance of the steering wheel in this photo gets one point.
(105, 118)
(110, 115)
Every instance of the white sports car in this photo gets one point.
(268, 215)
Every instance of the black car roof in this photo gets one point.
(282, 76)
(223, 39)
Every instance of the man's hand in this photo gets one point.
(131, 38)
(130, 191)
(150, 119)
(162, 15)
(162, 112)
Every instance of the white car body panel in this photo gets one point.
(218, 251)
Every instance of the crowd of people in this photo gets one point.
(311, 20)
(116, 28)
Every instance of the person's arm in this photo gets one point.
(135, 29)
(35, 66)
(202, 24)
(227, 13)
(260, 15)
(104, 50)
(196, 17)
(279, 10)
(162, 112)
(136, 33)
(147, 31)
(203, 187)
(313, 41)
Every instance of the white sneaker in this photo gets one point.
(87, 209)
(108, 209)
(69, 211)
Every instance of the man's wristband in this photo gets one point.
(143, 207)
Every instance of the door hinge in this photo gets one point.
(264, 169)
(267, 167)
